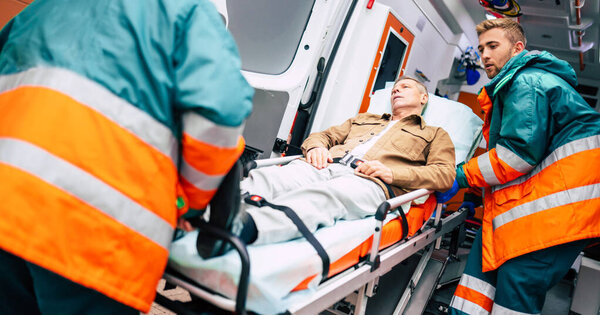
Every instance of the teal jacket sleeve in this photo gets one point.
(213, 99)
(520, 127)
(461, 178)
(523, 137)
(207, 69)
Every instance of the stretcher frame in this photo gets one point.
(362, 278)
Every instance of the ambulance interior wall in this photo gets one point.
(432, 53)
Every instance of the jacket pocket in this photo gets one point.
(411, 144)
(360, 129)
(514, 193)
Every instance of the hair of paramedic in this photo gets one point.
(513, 30)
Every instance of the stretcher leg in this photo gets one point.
(438, 215)
(361, 303)
(408, 293)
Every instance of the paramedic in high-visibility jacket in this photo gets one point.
(110, 111)
(541, 177)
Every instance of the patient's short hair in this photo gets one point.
(513, 30)
(421, 86)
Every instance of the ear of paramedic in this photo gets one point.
(498, 42)
(408, 97)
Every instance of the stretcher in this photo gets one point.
(286, 277)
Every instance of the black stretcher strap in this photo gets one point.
(259, 201)
(402, 215)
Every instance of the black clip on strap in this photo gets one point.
(259, 201)
(349, 160)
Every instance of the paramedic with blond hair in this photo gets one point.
(541, 177)
(109, 111)
(398, 151)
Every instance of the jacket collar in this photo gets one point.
(513, 66)
(416, 119)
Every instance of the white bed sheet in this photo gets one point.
(275, 269)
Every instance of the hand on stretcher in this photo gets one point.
(319, 157)
(376, 169)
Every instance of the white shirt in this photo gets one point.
(362, 149)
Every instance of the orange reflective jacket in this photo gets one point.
(542, 172)
(107, 115)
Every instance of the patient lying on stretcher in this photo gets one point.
(349, 170)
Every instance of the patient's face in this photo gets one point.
(406, 94)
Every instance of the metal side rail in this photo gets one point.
(213, 298)
(239, 305)
(346, 283)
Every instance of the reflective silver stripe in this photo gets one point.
(204, 130)
(86, 187)
(97, 97)
(561, 152)
(533, 52)
(478, 285)
(513, 160)
(485, 167)
(467, 306)
(554, 200)
(501, 310)
(200, 180)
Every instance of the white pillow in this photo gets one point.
(457, 119)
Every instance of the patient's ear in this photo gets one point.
(424, 98)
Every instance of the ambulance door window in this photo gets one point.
(268, 32)
(390, 62)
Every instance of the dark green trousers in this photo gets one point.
(29, 289)
(518, 286)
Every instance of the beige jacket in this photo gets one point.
(419, 156)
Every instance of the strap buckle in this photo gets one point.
(349, 160)
(356, 163)
(346, 159)
(255, 200)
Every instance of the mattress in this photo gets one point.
(282, 273)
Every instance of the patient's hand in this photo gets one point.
(375, 169)
(319, 157)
